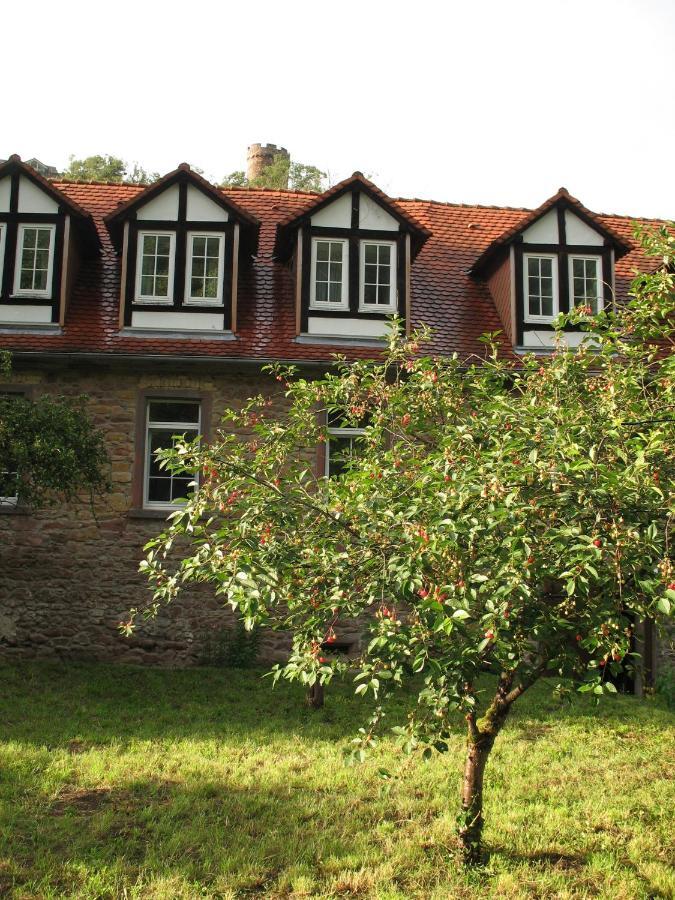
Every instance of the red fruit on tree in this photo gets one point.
(405, 420)
(671, 586)
(423, 592)
(597, 543)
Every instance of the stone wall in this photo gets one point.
(68, 574)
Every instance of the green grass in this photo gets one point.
(130, 783)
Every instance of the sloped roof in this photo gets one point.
(444, 295)
(562, 197)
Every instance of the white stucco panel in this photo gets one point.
(34, 200)
(579, 232)
(162, 208)
(201, 208)
(177, 321)
(544, 230)
(362, 328)
(372, 215)
(5, 190)
(546, 339)
(337, 214)
(25, 315)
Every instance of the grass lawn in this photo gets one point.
(125, 782)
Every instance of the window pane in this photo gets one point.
(370, 253)
(335, 292)
(163, 244)
(383, 294)
(27, 257)
(370, 293)
(26, 281)
(534, 306)
(213, 247)
(198, 246)
(41, 259)
(44, 238)
(149, 244)
(322, 291)
(40, 281)
(322, 271)
(212, 268)
(180, 487)
(174, 411)
(385, 254)
(370, 275)
(198, 267)
(336, 252)
(159, 490)
(196, 287)
(161, 287)
(578, 268)
(211, 289)
(533, 267)
(335, 272)
(322, 250)
(162, 265)
(546, 306)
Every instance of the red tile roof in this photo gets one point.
(444, 295)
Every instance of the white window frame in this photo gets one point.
(338, 433)
(181, 428)
(3, 239)
(145, 298)
(46, 294)
(392, 306)
(527, 317)
(600, 299)
(343, 303)
(204, 301)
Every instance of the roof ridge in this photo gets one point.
(97, 182)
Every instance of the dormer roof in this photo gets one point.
(562, 199)
(81, 219)
(183, 175)
(357, 181)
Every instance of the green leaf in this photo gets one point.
(460, 614)
(663, 605)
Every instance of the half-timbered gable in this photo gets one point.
(180, 243)
(352, 249)
(560, 257)
(43, 235)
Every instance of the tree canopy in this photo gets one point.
(497, 516)
(49, 448)
(281, 174)
(104, 167)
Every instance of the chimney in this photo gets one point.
(260, 156)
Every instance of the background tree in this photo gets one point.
(501, 518)
(49, 448)
(281, 174)
(108, 168)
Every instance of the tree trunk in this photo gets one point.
(315, 696)
(471, 820)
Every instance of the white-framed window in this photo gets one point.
(377, 291)
(9, 475)
(34, 261)
(585, 273)
(330, 274)
(154, 266)
(166, 419)
(3, 237)
(540, 287)
(341, 446)
(204, 268)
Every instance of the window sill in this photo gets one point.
(13, 509)
(187, 335)
(36, 298)
(139, 513)
(30, 328)
(345, 340)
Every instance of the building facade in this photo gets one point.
(163, 303)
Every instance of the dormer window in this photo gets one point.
(378, 276)
(586, 282)
(204, 277)
(541, 287)
(181, 240)
(353, 248)
(156, 254)
(330, 266)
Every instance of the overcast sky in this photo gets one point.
(478, 101)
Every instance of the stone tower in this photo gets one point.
(260, 156)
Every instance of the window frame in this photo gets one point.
(338, 432)
(330, 305)
(204, 301)
(18, 291)
(597, 259)
(527, 316)
(3, 244)
(182, 428)
(145, 298)
(392, 306)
